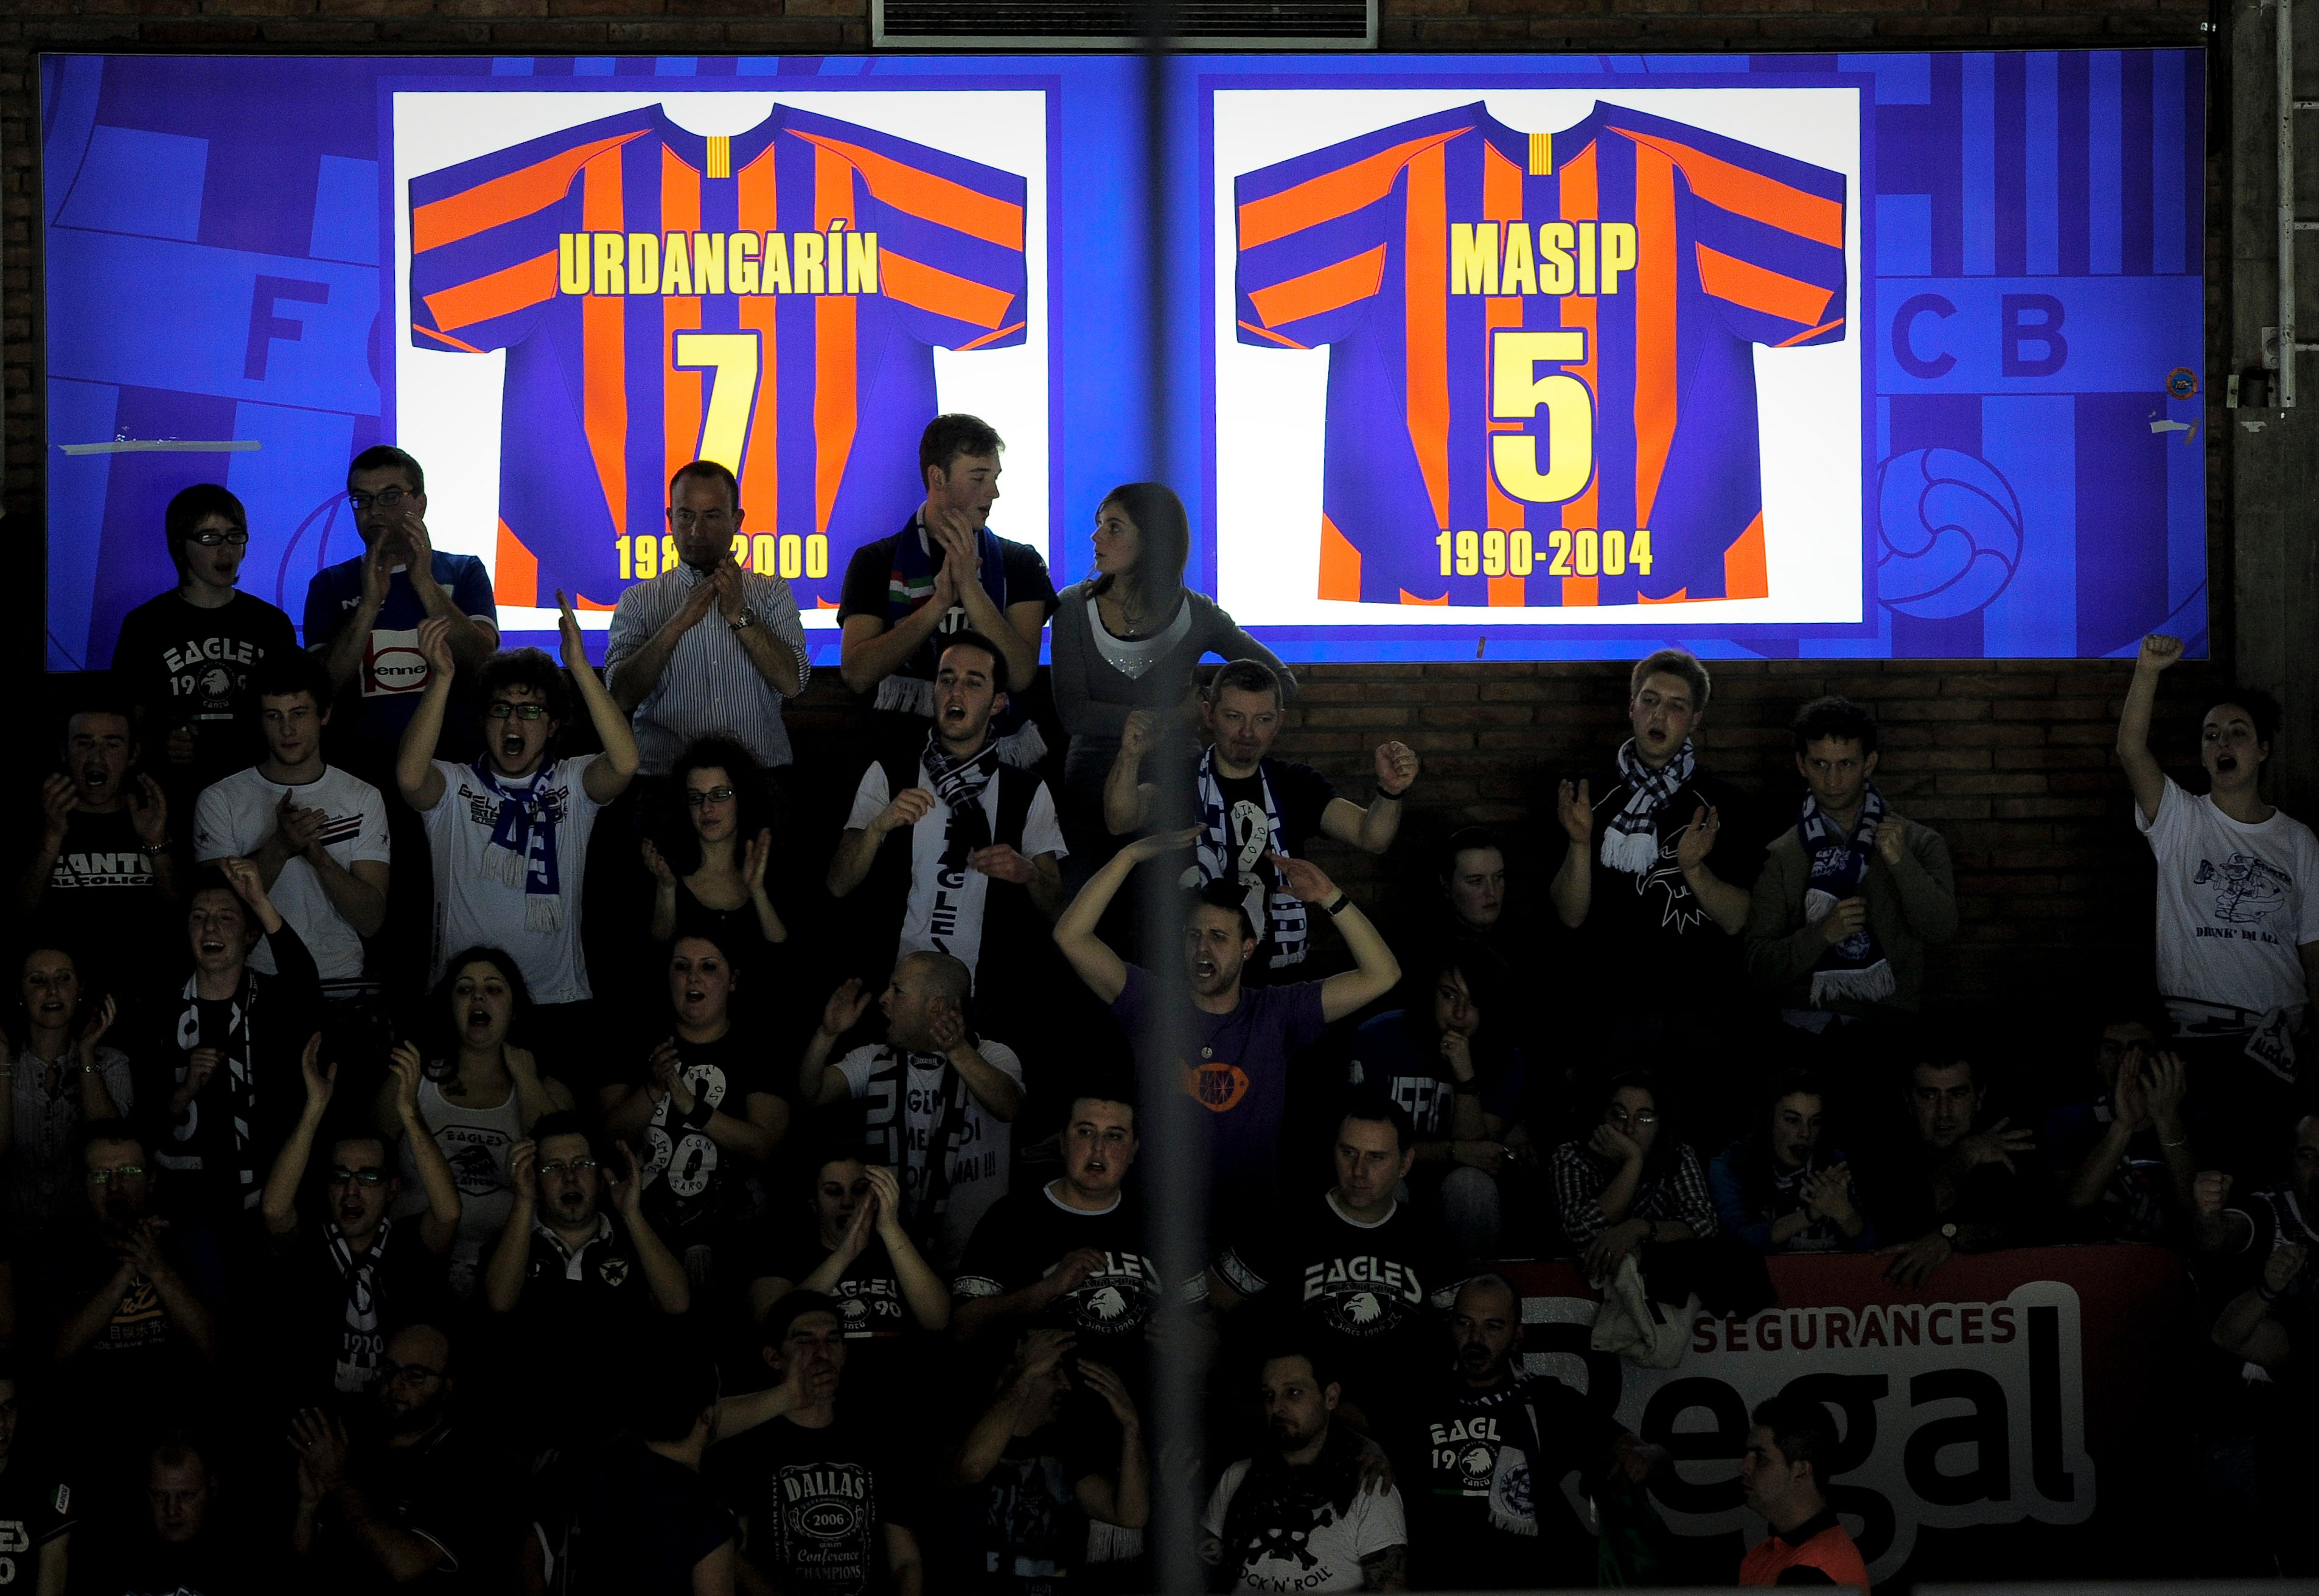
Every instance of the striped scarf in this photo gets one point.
(1631, 843)
(240, 1086)
(1854, 970)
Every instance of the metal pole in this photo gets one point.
(2286, 116)
(1174, 1160)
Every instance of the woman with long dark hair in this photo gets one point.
(1126, 641)
(711, 880)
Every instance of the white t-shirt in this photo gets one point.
(985, 1141)
(475, 906)
(945, 908)
(1323, 1554)
(2234, 904)
(238, 815)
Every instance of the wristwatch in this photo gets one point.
(744, 623)
(1949, 1232)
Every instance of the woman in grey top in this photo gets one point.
(1127, 638)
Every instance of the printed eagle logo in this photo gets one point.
(1106, 1305)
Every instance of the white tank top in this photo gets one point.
(474, 1143)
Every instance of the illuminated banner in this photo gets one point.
(1475, 356)
(2017, 1389)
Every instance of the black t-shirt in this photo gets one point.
(101, 895)
(869, 574)
(813, 1503)
(441, 1489)
(690, 1182)
(1487, 1473)
(1655, 921)
(188, 666)
(1896, 1187)
(36, 1506)
(335, 1330)
(1374, 1292)
(1026, 1234)
(622, 1520)
(869, 1294)
(141, 1564)
(1021, 1530)
(603, 1282)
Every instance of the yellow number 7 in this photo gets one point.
(1518, 393)
(733, 357)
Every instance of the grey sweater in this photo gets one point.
(1095, 697)
(1910, 905)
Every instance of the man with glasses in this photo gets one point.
(685, 672)
(582, 1285)
(407, 1495)
(363, 615)
(508, 834)
(357, 1272)
(190, 657)
(139, 1324)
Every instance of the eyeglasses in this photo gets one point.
(342, 1176)
(500, 709)
(715, 795)
(415, 1374)
(1641, 1117)
(385, 498)
(211, 539)
(685, 520)
(119, 1172)
(572, 1166)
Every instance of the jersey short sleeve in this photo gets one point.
(371, 840)
(1305, 795)
(2164, 828)
(326, 608)
(869, 798)
(857, 1067)
(471, 589)
(867, 576)
(1027, 578)
(1041, 832)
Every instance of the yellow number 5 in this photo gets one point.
(1518, 393)
(732, 356)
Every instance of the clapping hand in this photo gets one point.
(320, 1442)
(149, 811)
(1574, 806)
(319, 1082)
(1697, 840)
(574, 644)
(845, 1009)
(1001, 863)
(435, 648)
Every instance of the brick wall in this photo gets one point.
(2010, 761)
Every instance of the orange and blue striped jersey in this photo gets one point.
(1541, 380)
(770, 301)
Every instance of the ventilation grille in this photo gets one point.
(1118, 24)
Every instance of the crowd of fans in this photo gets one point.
(451, 1143)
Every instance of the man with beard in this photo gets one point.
(909, 596)
(826, 1508)
(36, 1505)
(1488, 1448)
(982, 867)
(510, 833)
(1366, 1276)
(582, 1285)
(102, 872)
(176, 1540)
(2238, 915)
(1069, 1255)
(221, 1051)
(364, 615)
(938, 1100)
(1242, 1036)
(406, 1494)
(317, 834)
(1252, 809)
(1296, 1517)
(707, 1112)
(1945, 1186)
(358, 1271)
(860, 1256)
(1033, 1479)
(140, 1293)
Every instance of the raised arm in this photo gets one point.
(503, 1275)
(2143, 771)
(1104, 971)
(1373, 829)
(472, 636)
(441, 1222)
(607, 775)
(634, 672)
(1126, 796)
(415, 775)
(857, 849)
(1573, 889)
(663, 1271)
(922, 1289)
(998, 1092)
(1375, 972)
(279, 1204)
(820, 1083)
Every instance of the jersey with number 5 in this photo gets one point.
(1541, 380)
(770, 301)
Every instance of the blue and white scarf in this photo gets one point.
(1234, 845)
(1631, 843)
(1854, 970)
(522, 849)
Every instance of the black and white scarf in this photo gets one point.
(522, 850)
(1853, 970)
(240, 1083)
(1234, 845)
(958, 782)
(1631, 843)
(886, 1127)
(359, 1345)
(1278, 1505)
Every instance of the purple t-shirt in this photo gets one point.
(1241, 1076)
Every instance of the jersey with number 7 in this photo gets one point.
(1541, 382)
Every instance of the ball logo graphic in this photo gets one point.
(1950, 533)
